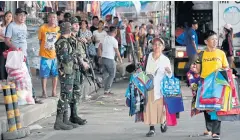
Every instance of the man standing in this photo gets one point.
(48, 35)
(107, 51)
(129, 39)
(65, 56)
(78, 76)
(16, 38)
(95, 21)
(191, 41)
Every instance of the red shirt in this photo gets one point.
(128, 30)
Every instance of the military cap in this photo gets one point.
(74, 20)
(65, 28)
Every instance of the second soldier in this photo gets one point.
(67, 75)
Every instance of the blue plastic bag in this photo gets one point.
(170, 86)
(174, 104)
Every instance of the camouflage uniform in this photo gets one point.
(65, 56)
(78, 55)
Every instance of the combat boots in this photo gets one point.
(59, 125)
(74, 118)
(67, 122)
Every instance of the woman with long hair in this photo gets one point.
(8, 18)
(227, 44)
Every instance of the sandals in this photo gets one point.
(216, 137)
(54, 95)
(38, 101)
(108, 93)
(207, 133)
(44, 96)
(151, 133)
(163, 127)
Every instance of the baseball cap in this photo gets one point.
(194, 22)
(228, 26)
(20, 10)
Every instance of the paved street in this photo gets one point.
(108, 120)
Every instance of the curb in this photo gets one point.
(33, 113)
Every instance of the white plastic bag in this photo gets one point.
(15, 60)
(23, 84)
(25, 94)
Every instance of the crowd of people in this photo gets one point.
(68, 44)
(93, 37)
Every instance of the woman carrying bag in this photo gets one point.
(157, 65)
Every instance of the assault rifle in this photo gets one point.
(91, 70)
(81, 68)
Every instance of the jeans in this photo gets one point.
(109, 72)
(212, 125)
(29, 70)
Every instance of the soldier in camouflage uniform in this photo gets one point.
(66, 61)
(79, 54)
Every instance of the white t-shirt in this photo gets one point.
(99, 36)
(108, 47)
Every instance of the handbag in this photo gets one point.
(174, 104)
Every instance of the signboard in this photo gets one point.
(202, 5)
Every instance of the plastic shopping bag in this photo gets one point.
(15, 60)
(174, 104)
(171, 118)
(23, 86)
(170, 86)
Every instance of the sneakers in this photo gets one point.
(216, 137)
(151, 133)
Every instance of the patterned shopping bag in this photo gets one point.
(170, 86)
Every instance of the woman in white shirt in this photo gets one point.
(98, 37)
(8, 18)
(158, 65)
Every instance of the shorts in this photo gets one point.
(48, 67)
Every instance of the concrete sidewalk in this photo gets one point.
(33, 113)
